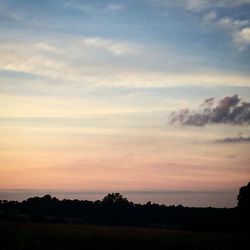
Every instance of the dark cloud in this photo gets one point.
(230, 110)
(238, 139)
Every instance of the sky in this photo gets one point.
(142, 95)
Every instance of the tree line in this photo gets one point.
(114, 209)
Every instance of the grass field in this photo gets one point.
(36, 236)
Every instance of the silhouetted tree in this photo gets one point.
(244, 197)
(115, 198)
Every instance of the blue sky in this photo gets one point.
(80, 80)
(185, 37)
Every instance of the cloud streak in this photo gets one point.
(116, 48)
(238, 29)
(200, 5)
(229, 140)
(95, 61)
(7, 13)
(213, 13)
(94, 8)
(229, 110)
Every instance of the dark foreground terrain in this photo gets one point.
(115, 223)
(36, 236)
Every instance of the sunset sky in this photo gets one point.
(88, 90)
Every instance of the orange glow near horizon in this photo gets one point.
(40, 158)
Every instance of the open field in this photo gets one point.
(20, 236)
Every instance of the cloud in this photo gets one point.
(211, 4)
(208, 4)
(95, 61)
(242, 37)
(229, 23)
(200, 5)
(237, 28)
(79, 6)
(114, 47)
(229, 110)
(114, 8)
(227, 3)
(210, 17)
(7, 13)
(94, 8)
(46, 47)
(238, 139)
(196, 5)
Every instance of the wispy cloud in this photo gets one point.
(229, 23)
(78, 6)
(46, 47)
(89, 8)
(97, 61)
(226, 23)
(114, 47)
(242, 37)
(200, 5)
(211, 4)
(229, 110)
(210, 17)
(238, 29)
(114, 7)
(7, 13)
(196, 5)
(229, 140)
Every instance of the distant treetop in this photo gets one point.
(114, 198)
(244, 197)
